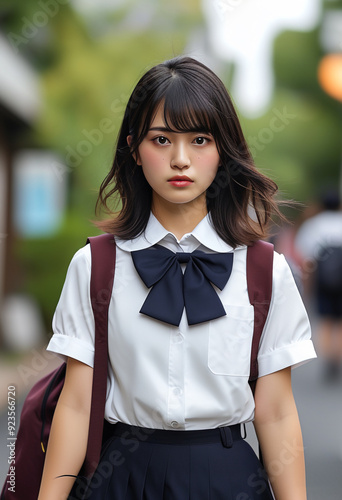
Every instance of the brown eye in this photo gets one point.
(201, 140)
(161, 140)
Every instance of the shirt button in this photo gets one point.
(174, 424)
(177, 338)
(177, 391)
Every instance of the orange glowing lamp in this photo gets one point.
(330, 75)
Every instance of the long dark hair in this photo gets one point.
(240, 199)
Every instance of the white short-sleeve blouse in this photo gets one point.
(181, 377)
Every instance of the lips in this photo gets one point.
(181, 178)
(180, 181)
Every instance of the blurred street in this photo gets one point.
(320, 408)
(22, 372)
(67, 72)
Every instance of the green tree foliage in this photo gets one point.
(88, 66)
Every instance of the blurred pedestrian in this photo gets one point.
(283, 240)
(319, 241)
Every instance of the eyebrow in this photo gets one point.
(161, 129)
(167, 129)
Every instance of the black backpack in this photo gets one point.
(329, 269)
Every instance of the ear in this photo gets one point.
(135, 155)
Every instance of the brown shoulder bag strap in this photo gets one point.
(103, 254)
(259, 284)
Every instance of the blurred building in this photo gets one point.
(19, 106)
(241, 33)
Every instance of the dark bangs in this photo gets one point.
(185, 110)
(187, 103)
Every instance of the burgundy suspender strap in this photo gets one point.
(259, 283)
(103, 254)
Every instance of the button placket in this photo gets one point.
(176, 381)
(176, 403)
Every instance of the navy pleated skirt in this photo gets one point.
(149, 464)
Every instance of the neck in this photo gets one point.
(179, 219)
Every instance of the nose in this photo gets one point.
(180, 157)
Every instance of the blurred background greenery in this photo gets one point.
(88, 63)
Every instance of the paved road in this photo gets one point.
(320, 409)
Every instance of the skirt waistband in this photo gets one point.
(226, 435)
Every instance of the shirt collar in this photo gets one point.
(154, 233)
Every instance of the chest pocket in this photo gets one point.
(230, 341)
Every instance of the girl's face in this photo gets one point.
(179, 167)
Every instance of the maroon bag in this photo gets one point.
(39, 406)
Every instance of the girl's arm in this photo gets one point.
(69, 433)
(279, 433)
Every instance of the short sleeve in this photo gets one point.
(286, 339)
(73, 321)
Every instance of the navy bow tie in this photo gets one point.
(160, 268)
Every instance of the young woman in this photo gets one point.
(178, 387)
